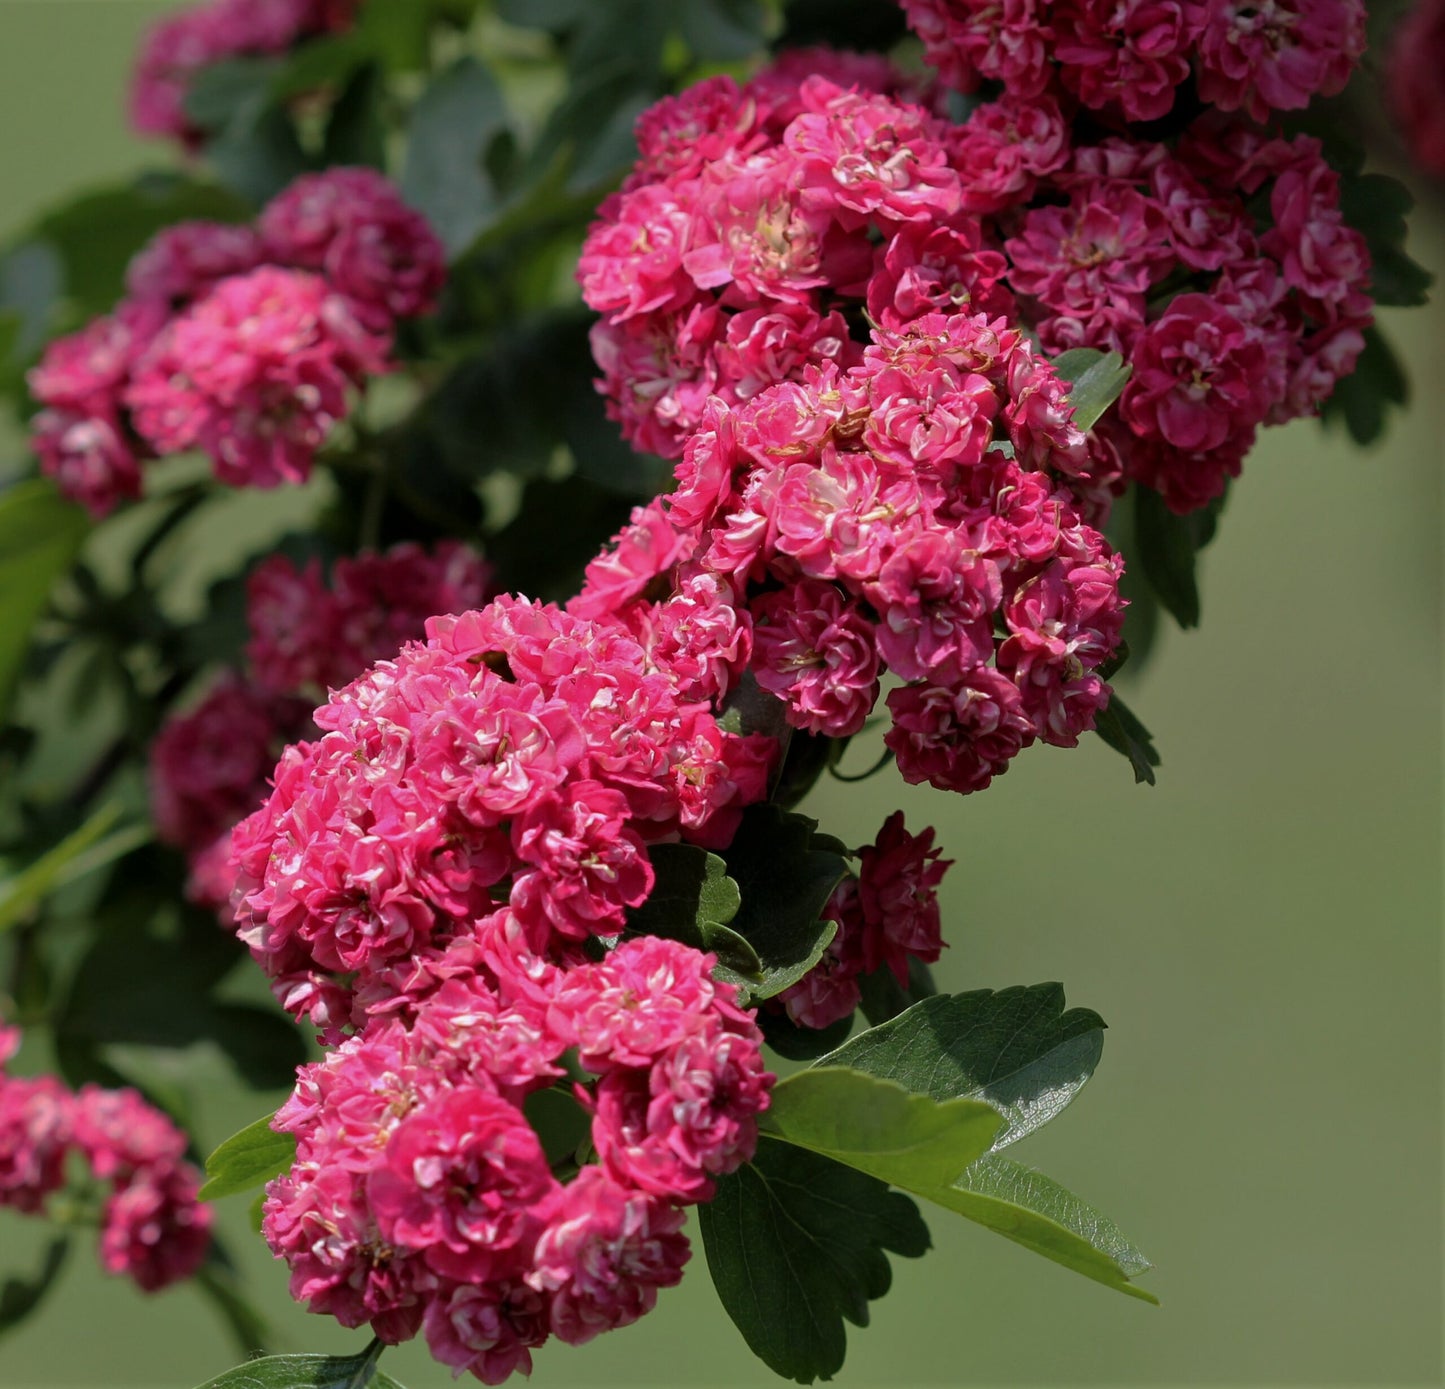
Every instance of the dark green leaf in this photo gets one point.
(263, 1046)
(1362, 398)
(1397, 280)
(556, 16)
(19, 1297)
(248, 1159)
(1167, 546)
(307, 1372)
(1120, 728)
(885, 998)
(1016, 1048)
(692, 901)
(722, 31)
(452, 126)
(906, 1138)
(258, 153)
(40, 535)
(797, 1043)
(219, 91)
(1096, 380)
(559, 1122)
(785, 881)
(795, 1244)
(1036, 1212)
(861, 24)
(355, 132)
(32, 279)
(93, 845)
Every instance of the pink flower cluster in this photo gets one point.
(422, 1199)
(1156, 253)
(1412, 83)
(1128, 58)
(152, 1228)
(887, 915)
(180, 45)
(896, 516)
(759, 240)
(211, 767)
(500, 783)
(244, 342)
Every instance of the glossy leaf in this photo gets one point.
(248, 1159)
(785, 880)
(457, 117)
(19, 1297)
(1036, 1212)
(692, 901)
(1096, 380)
(40, 535)
(1121, 729)
(796, 1244)
(307, 1372)
(1017, 1049)
(905, 1138)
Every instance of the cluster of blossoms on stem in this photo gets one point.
(152, 1228)
(1129, 58)
(181, 44)
(423, 1200)
(887, 915)
(499, 784)
(761, 239)
(1412, 83)
(900, 516)
(245, 342)
(210, 767)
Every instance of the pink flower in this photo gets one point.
(937, 270)
(830, 992)
(185, 262)
(1005, 147)
(898, 878)
(1129, 56)
(958, 738)
(606, 1251)
(818, 653)
(255, 374)
(154, 1230)
(352, 226)
(1412, 83)
(632, 260)
(1276, 55)
(90, 457)
(1010, 41)
(489, 1331)
(36, 1115)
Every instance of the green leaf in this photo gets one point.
(722, 31)
(1362, 399)
(907, 1139)
(219, 91)
(40, 535)
(85, 849)
(795, 1244)
(355, 132)
(1017, 1049)
(19, 1297)
(1096, 380)
(98, 234)
(885, 998)
(1036, 1212)
(1120, 728)
(797, 1043)
(1167, 546)
(785, 881)
(445, 178)
(691, 901)
(218, 1284)
(248, 1159)
(32, 279)
(259, 152)
(1397, 280)
(560, 1123)
(307, 1372)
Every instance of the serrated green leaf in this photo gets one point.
(785, 882)
(1396, 280)
(1036, 1212)
(1017, 1049)
(307, 1372)
(1362, 399)
(19, 1297)
(452, 124)
(691, 901)
(248, 1159)
(795, 1244)
(1096, 380)
(1167, 547)
(1121, 729)
(40, 536)
(902, 1137)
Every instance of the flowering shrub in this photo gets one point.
(152, 1228)
(1412, 84)
(933, 362)
(244, 343)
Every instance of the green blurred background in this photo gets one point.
(1261, 931)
